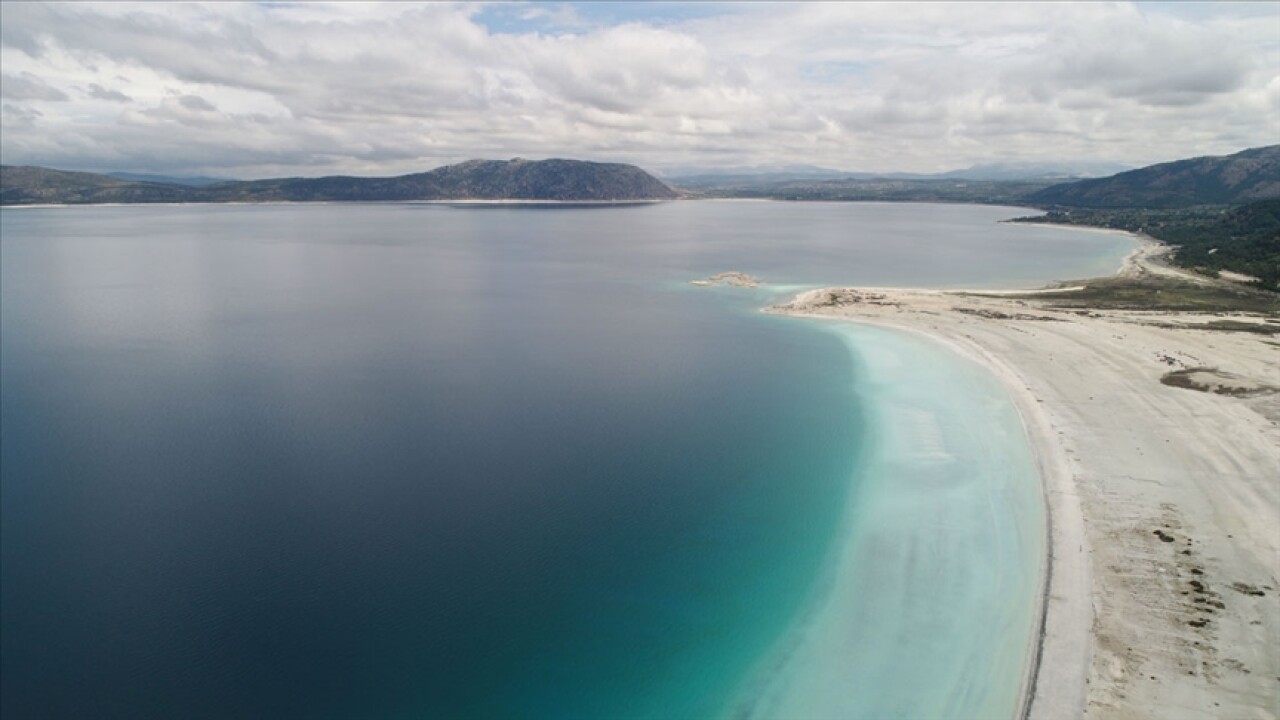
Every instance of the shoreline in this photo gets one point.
(850, 653)
(1125, 620)
(1064, 525)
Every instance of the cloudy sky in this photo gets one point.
(282, 88)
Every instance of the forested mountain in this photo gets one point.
(559, 180)
(1246, 176)
(34, 185)
(1245, 239)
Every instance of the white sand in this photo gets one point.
(1151, 488)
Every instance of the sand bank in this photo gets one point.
(1164, 500)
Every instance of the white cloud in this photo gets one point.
(28, 86)
(307, 88)
(98, 92)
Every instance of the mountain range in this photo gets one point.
(1246, 176)
(1220, 213)
(518, 179)
(1030, 172)
(194, 181)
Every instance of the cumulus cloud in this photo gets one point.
(18, 115)
(197, 103)
(1160, 62)
(98, 92)
(263, 89)
(29, 87)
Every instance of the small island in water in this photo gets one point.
(731, 278)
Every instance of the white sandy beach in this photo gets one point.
(1161, 597)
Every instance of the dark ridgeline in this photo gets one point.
(1220, 213)
(35, 185)
(1244, 177)
(1231, 180)
(518, 179)
(1191, 204)
(194, 181)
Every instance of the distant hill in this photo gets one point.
(1228, 180)
(196, 181)
(753, 179)
(757, 177)
(769, 180)
(34, 185)
(558, 180)
(1219, 213)
(879, 189)
(1033, 171)
(561, 180)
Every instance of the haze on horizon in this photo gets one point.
(271, 89)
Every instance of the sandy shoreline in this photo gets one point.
(1161, 596)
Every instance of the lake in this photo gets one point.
(405, 460)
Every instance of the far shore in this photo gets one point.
(479, 202)
(1160, 589)
(1085, 228)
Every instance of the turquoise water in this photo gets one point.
(927, 604)
(418, 461)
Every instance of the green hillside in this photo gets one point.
(556, 180)
(1246, 176)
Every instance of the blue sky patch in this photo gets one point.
(571, 17)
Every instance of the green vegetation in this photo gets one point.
(1165, 294)
(1237, 326)
(1244, 177)
(31, 185)
(1244, 240)
(1220, 213)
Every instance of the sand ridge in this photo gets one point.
(1162, 583)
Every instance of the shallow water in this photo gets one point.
(927, 606)
(399, 460)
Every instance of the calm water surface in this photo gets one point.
(422, 461)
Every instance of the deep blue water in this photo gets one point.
(422, 461)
